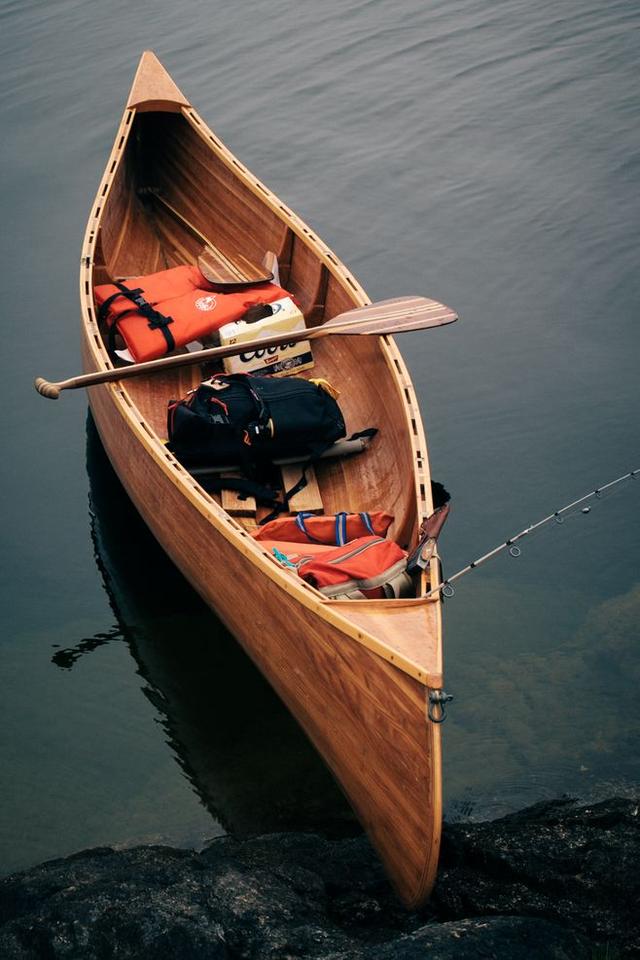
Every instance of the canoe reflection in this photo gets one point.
(248, 760)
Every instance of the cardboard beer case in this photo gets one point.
(275, 360)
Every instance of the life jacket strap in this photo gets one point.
(155, 319)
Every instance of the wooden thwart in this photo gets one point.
(231, 269)
(232, 503)
(309, 498)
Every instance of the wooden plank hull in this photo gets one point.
(355, 675)
(248, 761)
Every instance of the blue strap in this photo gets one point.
(300, 524)
(341, 537)
(366, 519)
(341, 529)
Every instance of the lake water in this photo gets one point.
(485, 154)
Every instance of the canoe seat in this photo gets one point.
(231, 269)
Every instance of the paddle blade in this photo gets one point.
(392, 316)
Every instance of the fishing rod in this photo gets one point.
(446, 587)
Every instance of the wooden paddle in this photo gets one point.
(384, 318)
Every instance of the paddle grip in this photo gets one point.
(46, 389)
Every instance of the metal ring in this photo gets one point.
(447, 590)
(558, 519)
(515, 551)
(436, 717)
(436, 705)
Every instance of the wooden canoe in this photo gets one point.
(356, 674)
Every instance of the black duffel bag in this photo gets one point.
(237, 419)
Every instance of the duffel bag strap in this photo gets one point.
(300, 523)
(342, 536)
(366, 519)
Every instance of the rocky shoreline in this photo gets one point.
(559, 880)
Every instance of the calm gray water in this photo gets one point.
(486, 154)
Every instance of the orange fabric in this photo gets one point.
(156, 288)
(322, 565)
(361, 559)
(182, 293)
(323, 528)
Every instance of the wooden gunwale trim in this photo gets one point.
(422, 469)
(435, 675)
(93, 225)
(205, 504)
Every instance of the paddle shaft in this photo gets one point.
(383, 318)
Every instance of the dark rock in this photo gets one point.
(485, 938)
(557, 881)
(574, 864)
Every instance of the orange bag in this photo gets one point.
(369, 566)
(163, 311)
(335, 529)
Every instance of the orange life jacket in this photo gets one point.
(163, 311)
(334, 530)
